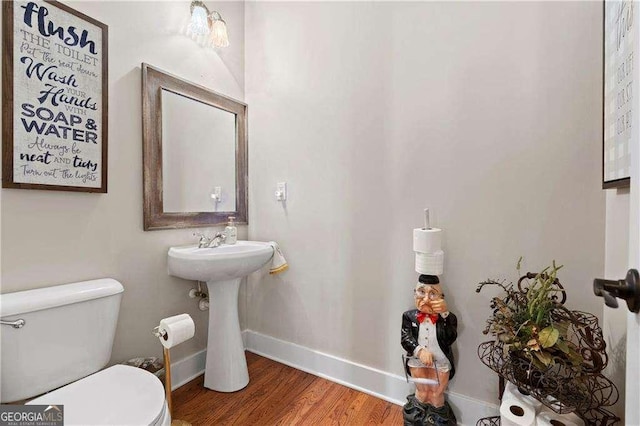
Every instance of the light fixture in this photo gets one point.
(199, 24)
(219, 35)
(204, 22)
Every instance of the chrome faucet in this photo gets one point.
(218, 239)
(206, 242)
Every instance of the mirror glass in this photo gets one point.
(198, 156)
(194, 154)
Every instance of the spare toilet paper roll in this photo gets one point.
(514, 412)
(511, 391)
(430, 263)
(549, 418)
(427, 240)
(175, 330)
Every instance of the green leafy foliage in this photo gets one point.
(548, 337)
(523, 319)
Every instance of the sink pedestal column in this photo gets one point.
(226, 368)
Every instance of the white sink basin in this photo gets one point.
(222, 263)
(222, 268)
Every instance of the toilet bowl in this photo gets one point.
(55, 342)
(118, 395)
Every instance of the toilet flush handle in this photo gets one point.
(15, 324)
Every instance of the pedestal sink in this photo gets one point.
(222, 268)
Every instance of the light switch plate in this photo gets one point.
(216, 195)
(281, 191)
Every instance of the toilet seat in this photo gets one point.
(118, 395)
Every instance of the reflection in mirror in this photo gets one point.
(194, 154)
(198, 156)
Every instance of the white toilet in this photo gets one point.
(67, 336)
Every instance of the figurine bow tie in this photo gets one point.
(421, 316)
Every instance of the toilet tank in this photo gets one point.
(67, 335)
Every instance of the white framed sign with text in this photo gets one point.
(55, 98)
(618, 111)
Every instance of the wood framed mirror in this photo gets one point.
(194, 154)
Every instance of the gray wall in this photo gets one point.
(488, 113)
(52, 237)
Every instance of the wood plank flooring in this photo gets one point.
(281, 395)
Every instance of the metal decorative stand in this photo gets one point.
(489, 421)
(563, 387)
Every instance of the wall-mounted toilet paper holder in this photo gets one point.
(626, 289)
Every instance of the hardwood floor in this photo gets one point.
(281, 395)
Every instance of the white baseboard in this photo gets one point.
(187, 369)
(381, 384)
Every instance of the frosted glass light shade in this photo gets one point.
(219, 35)
(199, 21)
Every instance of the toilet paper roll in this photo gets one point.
(175, 330)
(549, 418)
(511, 391)
(427, 240)
(516, 412)
(175, 318)
(430, 263)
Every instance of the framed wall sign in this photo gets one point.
(54, 98)
(618, 64)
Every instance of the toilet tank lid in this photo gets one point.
(38, 299)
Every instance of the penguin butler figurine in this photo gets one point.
(427, 335)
